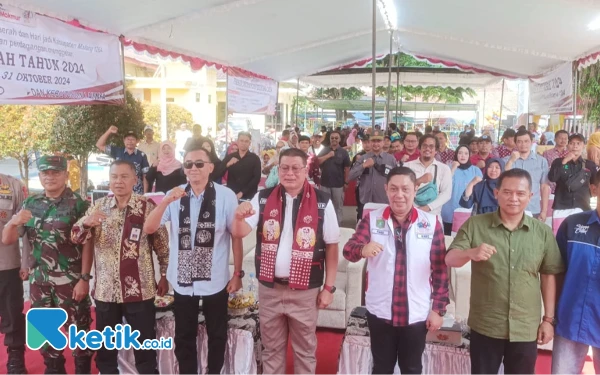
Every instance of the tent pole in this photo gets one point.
(374, 64)
(501, 105)
(482, 124)
(227, 109)
(297, 103)
(163, 104)
(389, 90)
(397, 85)
(575, 88)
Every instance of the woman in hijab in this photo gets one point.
(593, 148)
(274, 160)
(209, 146)
(463, 172)
(168, 173)
(481, 192)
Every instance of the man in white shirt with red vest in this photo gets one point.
(296, 241)
(408, 277)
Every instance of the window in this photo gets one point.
(209, 99)
(170, 100)
(197, 97)
(276, 120)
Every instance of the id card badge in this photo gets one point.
(136, 233)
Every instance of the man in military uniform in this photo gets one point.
(12, 319)
(60, 269)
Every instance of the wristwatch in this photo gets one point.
(330, 289)
(550, 320)
(86, 277)
(440, 313)
(240, 274)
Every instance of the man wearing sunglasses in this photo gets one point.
(243, 167)
(199, 259)
(297, 240)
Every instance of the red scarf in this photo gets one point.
(303, 244)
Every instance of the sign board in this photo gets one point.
(552, 93)
(47, 61)
(250, 95)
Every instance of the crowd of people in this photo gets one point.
(211, 205)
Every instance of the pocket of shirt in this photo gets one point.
(530, 259)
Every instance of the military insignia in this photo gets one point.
(203, 236)
(271, 230)
(181, 208)
(380, 223)
(273, 213)
(308, 219)
(186, 242)
(306, 238)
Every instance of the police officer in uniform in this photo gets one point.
(59, 269)
(12, 319)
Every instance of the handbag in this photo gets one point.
(429, 192)
(578, 179)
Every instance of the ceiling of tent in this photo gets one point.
(285, 39)
(424, 77)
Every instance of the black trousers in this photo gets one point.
(12, 319)
(487, 353)
(359, 205)
(186, 309)
(402, 344)
(447, 229)
(141, 316)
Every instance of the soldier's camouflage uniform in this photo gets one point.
(55, 262)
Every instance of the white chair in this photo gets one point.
(349, 285)
(458, 219)
(560, 215)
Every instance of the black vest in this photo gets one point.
(317, 270)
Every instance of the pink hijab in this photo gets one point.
(351, 138)
(167, 164)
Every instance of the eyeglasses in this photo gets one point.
(286, 168)
(198, 163)
(431, 147)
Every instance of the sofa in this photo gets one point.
(460, 292)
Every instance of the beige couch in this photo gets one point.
(460, 293)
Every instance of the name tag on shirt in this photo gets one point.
(382, 232)
(135, 234)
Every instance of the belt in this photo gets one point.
(281, 280)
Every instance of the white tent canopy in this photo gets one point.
(286, 39)
(420, 77)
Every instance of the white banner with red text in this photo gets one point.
(250, 95)
(46, 61)
(552, 93)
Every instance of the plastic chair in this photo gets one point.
(458, 219)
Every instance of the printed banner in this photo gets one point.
(552, 92)
(46, 61)
(250, 95)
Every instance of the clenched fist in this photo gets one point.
(515, 155)
(22, 217)
(95, 219)
(476, 180)
(371, 249)
(369, 163)
(113, 130)
(232, 162)
(244, 210)
(482, 252)
(175, 194)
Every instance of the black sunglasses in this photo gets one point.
(198, 163)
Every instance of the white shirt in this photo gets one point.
(331, 232)
(443, 182)
(316, 151)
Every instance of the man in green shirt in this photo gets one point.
(508, 250)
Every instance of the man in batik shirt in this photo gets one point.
(125, 285)
(59, 269)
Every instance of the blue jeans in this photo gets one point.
(568, 357)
